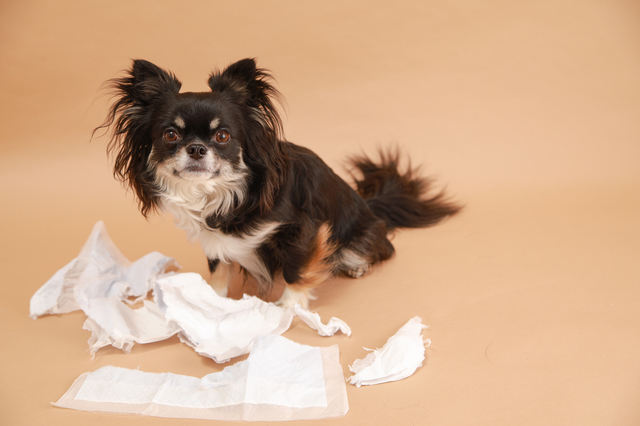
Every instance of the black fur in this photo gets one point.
(138, 97)
(280, 182)
(399, 199)
(213, 264)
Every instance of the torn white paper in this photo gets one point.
(396, 360)
(312, 319)
(215, 326)
(222, 328)
(101, 282)
(281, 380)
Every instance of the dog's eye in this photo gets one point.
(222, 136)
(170, 136)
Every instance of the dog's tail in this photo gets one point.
(399, 199)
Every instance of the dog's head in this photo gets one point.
(226, 137)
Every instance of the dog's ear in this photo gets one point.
(238, 77)
(249, 88)
(242, 72)
(130, 118)
(147, 82)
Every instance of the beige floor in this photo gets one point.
(528, 111)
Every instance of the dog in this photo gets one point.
(217, 161)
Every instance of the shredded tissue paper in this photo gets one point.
(281, 380)
(398, 359)
(104, 284)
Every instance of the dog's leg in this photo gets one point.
(296, 294)
(369, 248)
(354, 265)
(220, 276)
(320, 267)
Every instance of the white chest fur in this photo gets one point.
(242, 250)
(191, 205)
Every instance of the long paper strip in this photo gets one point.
(281, 380)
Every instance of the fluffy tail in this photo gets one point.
(400, 199)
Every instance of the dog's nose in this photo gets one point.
(196, 151)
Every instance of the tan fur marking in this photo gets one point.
(214, 123)
(318, 269)
(179, 121)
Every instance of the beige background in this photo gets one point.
(528, 111)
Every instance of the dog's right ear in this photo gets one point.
(130, 119)
(142, 86)
(147, 82)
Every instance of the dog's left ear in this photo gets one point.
(240, 77)
(242, 72)
(249, 87)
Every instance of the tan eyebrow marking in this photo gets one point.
(179, 122)
(214, 123)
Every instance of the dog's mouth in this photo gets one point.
(196, 171)
(196, 168)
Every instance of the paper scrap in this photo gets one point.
(215, 326)
(396, 360)
(312, 319)
(99, 260)
(102, 282)
(280, 380)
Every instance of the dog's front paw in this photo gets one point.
(359, 271)
(220, 276)
(222, 292)
(295, 295)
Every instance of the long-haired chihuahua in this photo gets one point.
(217, 161)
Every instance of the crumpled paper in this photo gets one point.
(102, 282)
(280, 380)
(277, 382)
(398, 359)
(222, 328)
(312, 319)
